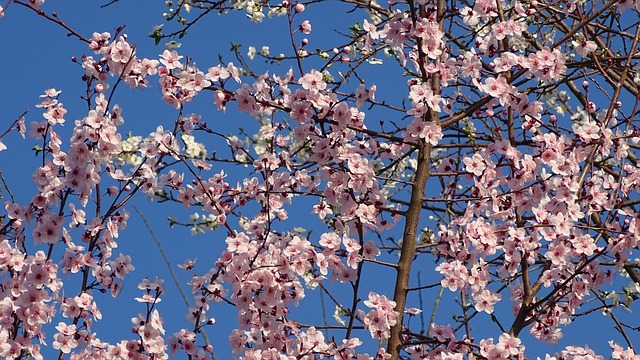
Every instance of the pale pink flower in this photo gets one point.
(170, 59)
(584, 47)
(305, 27)
(322, 210)
(475, 164)
(122, 266)
(313, 81)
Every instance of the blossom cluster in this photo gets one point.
(525, 200)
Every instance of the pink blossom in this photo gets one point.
(121, 51)
(122, 266)
(305, 27)
(584, 47)
(170, 59)
(313, 81)
(475, 164)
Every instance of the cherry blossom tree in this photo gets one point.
(491, 145)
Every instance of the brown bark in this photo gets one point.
(409, 247)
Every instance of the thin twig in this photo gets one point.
(173, 274)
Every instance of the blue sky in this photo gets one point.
(38, 57)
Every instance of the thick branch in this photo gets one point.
(409, 247)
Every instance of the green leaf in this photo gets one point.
(156, 34)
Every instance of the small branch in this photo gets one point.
(109, 3)
(54, 18)
(173, 274)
